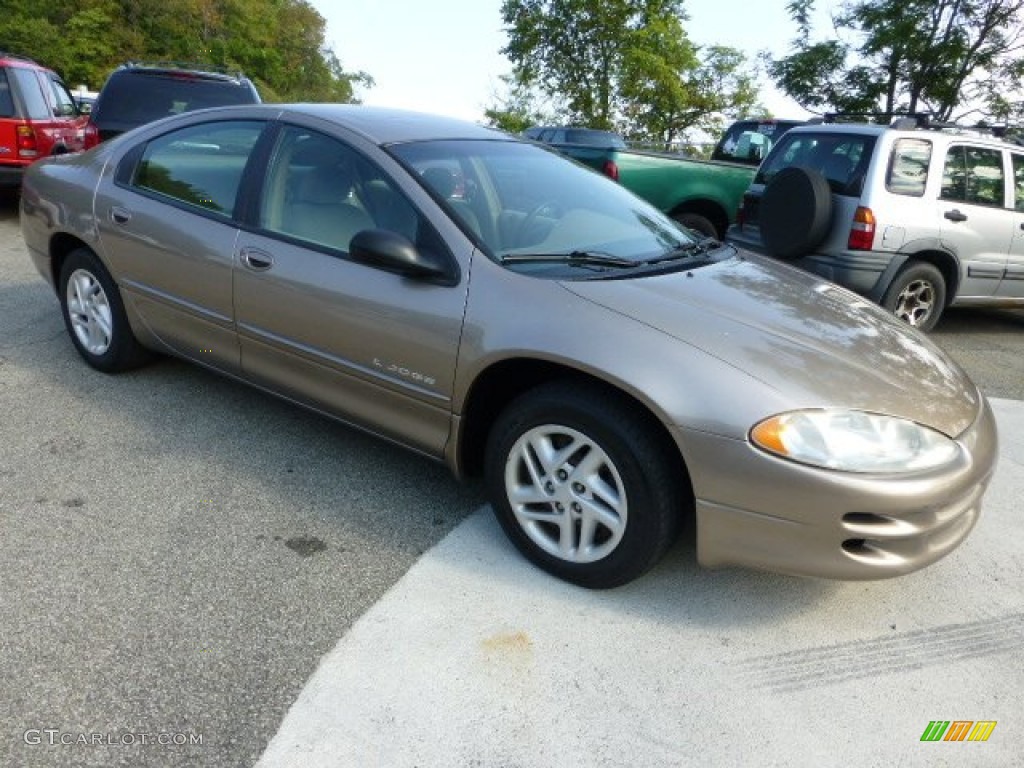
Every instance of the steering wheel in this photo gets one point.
(552, 208)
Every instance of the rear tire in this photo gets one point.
(94, 315)
(917, 295)
(698, 223)
(582, 485)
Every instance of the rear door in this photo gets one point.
(975, 223)
(165, 212)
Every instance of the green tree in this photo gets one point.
(620, 64)
(278, 43)
(909, 55)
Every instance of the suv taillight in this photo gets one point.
(27, 144)
(610, 169)
(862, 231)
(92, 135)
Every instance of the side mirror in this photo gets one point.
(392, 252)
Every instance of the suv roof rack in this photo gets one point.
(210, 69)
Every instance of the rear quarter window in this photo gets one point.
(28, 85)
(908, 167)
(6, 99)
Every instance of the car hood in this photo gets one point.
(816, 344)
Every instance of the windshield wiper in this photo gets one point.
(584, 258)
(687, 251)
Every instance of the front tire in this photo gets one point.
(94, 314)
(582, 485)
(917, 295)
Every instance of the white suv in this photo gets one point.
(914, 216)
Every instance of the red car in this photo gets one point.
(38, 117)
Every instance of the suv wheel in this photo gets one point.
(581, 486)
(917, 295)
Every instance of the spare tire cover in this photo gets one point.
(795, 212)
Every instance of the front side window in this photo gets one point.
(974, 175)
(908, 169)
(201, 165)
(323, 192)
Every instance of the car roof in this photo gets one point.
(384, 125)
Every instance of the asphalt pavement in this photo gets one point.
(477, 659)
(180, 554)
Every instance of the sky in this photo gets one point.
(443, 56)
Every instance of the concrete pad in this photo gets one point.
(475, 658)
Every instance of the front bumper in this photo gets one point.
(763, 512)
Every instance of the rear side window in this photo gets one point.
(27, 83)
(6, 99)
(908, 168)
(974, 175)
(201, 165)
(1018, 181)
(841, 158)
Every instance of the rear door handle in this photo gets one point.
(955, 215)
(256, 259)
(120, 215)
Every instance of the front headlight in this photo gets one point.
(853, 441)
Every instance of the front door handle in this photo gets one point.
(256, 259)
(120, 215)
(955, 215)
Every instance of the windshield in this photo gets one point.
(523, 203)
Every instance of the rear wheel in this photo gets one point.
(917, 295)
(94, 314)
(697, 223)
(582, 486)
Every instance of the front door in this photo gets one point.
(371, 347)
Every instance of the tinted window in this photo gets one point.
(323, 192)
(36, 107)
(135, 98)
(841, 158)
(974, 175)
(200, 165)
(6, 99)
(908, 169)
(594, 138)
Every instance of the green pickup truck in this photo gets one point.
(701, 194)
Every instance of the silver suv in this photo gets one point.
(914, 216)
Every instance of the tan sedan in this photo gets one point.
(490, 304)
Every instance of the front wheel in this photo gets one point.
(583, 486)
(917, 295)
(94, 314)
